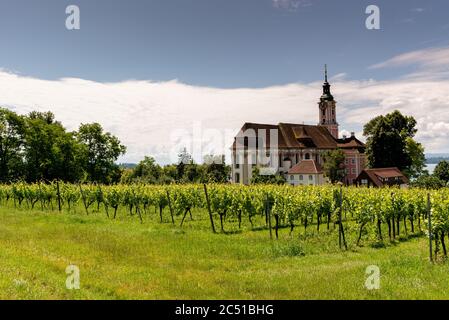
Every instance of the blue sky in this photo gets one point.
(144, 69)
(232, 43)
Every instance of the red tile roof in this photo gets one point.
(351, 143)
(298, 136)
(384, 173)
(306, 167)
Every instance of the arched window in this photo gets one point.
(307, 156)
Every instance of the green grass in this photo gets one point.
(124, 259)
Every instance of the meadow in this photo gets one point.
(124, 259)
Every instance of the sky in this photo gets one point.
(163, 74)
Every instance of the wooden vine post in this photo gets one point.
(171, 208)
(41, 196)
(209, 210)
(429, 217)
(268, 215)
(59, 195)
(84, 199)
(104, 202)
(341, 232)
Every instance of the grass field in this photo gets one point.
(124, 259)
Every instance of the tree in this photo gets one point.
(100, 152)
(169, 174)
(147, 171)
(390, 143)
(184, 158)
(49, 151)
(428, 182)
(334, 165)
(257, 178)
(11, 142)
(442, 171)
(415, 151)
(215, 169)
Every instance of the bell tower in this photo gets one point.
(327, 108)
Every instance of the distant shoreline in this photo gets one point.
(436, 160)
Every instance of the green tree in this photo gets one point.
(257, 178)
(390, 143)
(49, 151)
(428, 182)
(100, 152)
(415, 151)
(442, 171)
(169, 174)
(147, 171)
(184, 159)
(334, 165)
(12, 128)
(215, 169)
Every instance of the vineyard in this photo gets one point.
(372, 215)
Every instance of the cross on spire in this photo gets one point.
(325, 73)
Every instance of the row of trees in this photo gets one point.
(36, 147)
(186, 170)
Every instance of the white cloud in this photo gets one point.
(431, 58)
(145, 115)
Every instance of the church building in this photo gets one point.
(281, 148)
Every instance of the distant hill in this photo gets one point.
(434, 158)
(127, 165)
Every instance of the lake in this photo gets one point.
(431, 167)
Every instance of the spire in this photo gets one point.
(325, 73)
(327, 96)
